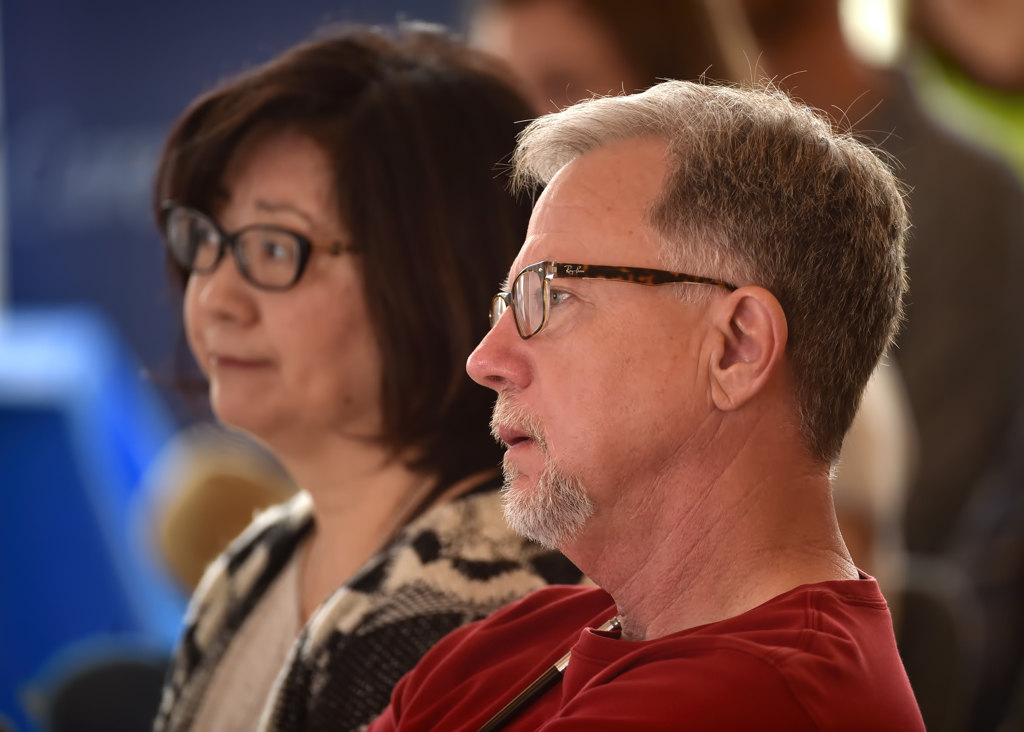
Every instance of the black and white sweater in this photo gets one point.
(454, 564)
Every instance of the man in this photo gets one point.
(675, 441)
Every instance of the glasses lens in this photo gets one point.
(270, 257)
(528, 297)
(498, 307)
(193, 240)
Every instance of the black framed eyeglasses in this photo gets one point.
(530, 294)
(269, 257)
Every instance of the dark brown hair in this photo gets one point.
(416, 127)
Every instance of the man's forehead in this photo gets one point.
(602, 197)
(624, 175)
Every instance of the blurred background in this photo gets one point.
(98, 444)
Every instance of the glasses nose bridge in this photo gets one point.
(228, 243)
(232, 243)
(505, 298)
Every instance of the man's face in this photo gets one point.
(597, 405)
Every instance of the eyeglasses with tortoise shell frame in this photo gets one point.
(530, 294)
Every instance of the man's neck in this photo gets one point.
(706, 552)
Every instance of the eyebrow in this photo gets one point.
(274, 207)
(503, 287)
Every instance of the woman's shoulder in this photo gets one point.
(236, 578)
(458, 559)
(226, 595)
(469, 536)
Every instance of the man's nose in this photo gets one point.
(500, 360)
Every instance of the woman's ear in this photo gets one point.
(749, 331)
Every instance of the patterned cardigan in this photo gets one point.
(454, 564)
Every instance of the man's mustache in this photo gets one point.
(509, 416)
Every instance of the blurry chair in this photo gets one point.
(871, 480)
(989, 544)
(937, 614)
(102, 684)
(204, 489)
(941, 641)
(117, 695)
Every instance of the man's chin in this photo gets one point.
(525, 520)
(550, 511)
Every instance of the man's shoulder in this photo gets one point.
(560, 605)
(791, 658)
(800, 661)
(551, 618)
(796, 652)
(817, 619)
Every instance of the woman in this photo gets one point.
(339, 223)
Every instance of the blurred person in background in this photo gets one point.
(204, 488)
(960, 358)
(985, 39)
(567, 50)
(337, 221)
(967, 59)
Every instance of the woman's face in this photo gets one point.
(286, 367)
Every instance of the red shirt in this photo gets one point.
(820, 656)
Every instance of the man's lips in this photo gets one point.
(512, 436)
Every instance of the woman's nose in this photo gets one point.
(224, 292)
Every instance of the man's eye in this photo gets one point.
(559, 296)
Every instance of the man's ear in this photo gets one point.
(748, 340)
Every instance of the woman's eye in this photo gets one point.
(274, 250)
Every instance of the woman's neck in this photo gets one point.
(362, 495)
